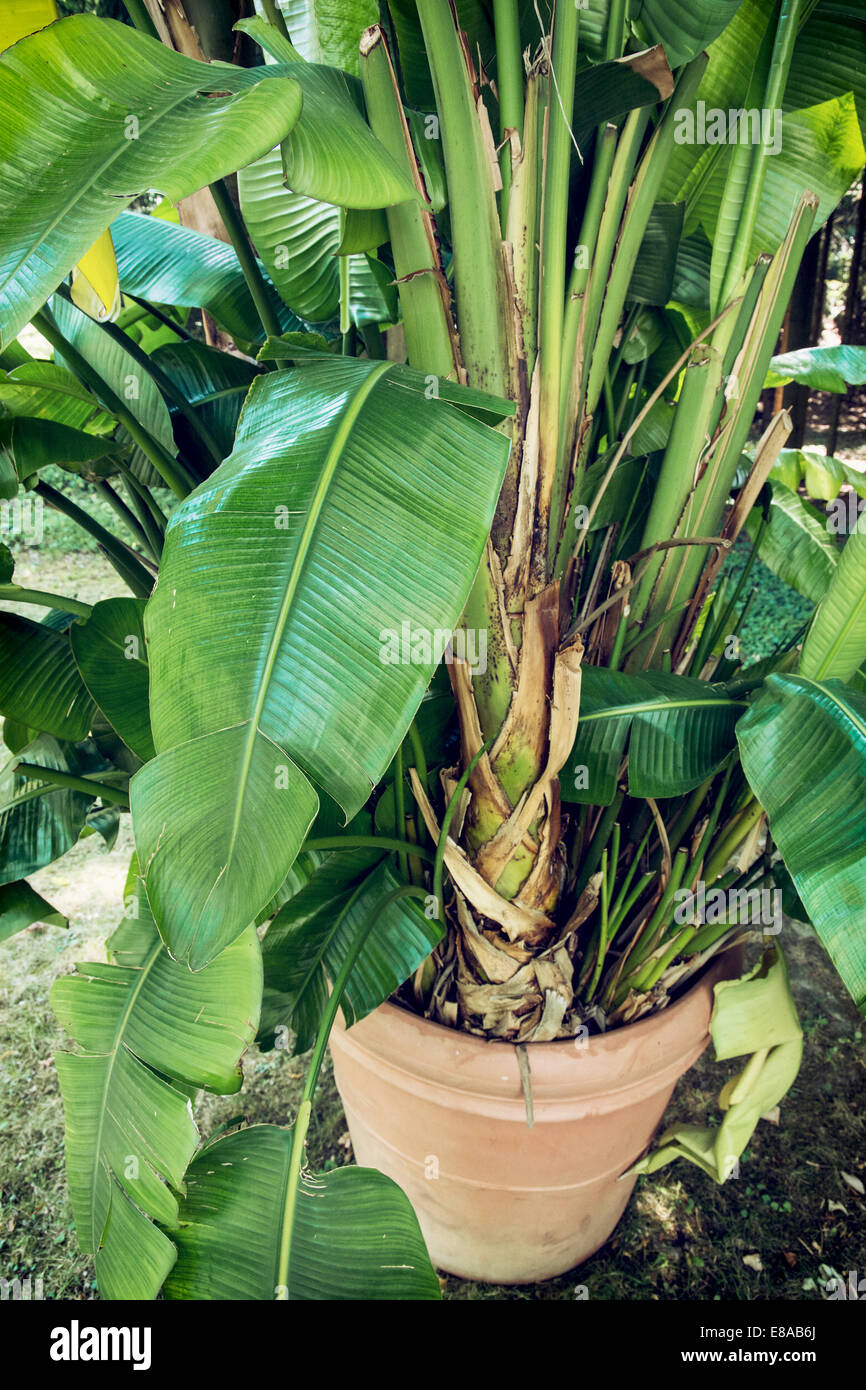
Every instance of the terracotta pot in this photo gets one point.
(442, 1113)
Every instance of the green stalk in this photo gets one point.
(256, 284)
(619, 907)
(653, 971)
(13, 593)
(586, 290)
(592, 857)
(421, 286)
(170, 469)
(161, 317)
(113, 795)
(707, 505)
(643, 195)
(400, 809)
(655, 927)
(123, 513)
(744, 209)
(701, 383)
(554, 216)
(509, 83)
(386, 843)
(127, 564)
(154, 538)
(137, 11)
(479, 272)
(734, 835)
(275, 16)
(709, 829)
(522, 217)
(603, 929)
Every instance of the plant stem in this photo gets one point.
(120, 509)
(137, 11)
(486, 330)
(14, 594)
(425, 299)
(783, 48)
(256, 284)
(34, 773)
(125, 561)
(386, 843)
(275, 16)
(170, 469)
(161, 317)
(400, 809)
(509, 82)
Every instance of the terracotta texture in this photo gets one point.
(442, 1112)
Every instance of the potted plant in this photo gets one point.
(580, 228)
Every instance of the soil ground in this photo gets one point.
(795, 1215)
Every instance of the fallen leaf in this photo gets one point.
(856, 1184)
(753, 1262)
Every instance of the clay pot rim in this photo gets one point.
(718, 967)
(462, 1071)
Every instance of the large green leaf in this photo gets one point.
(92, 114)
(678, 732)
(141, 1022)
(835, 644)
(29, 444)
(683, 26)
(820, 151)
(824, 369)
(754, 1015)
(354, 1234)
(169, 264)
(306, 944)
(109, 650)
(47, 391)
(803, 749)
(795, 544)
(329, 31)
(21, 906)
(332, 154)
(38, 822)
(40, 685)
(297, 238)
(352, 504)
(829, 58)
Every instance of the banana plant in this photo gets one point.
(429, 673)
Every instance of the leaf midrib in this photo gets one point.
(103, 1109)
(658, 707)
(332, 460)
